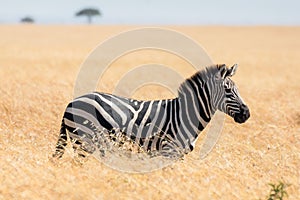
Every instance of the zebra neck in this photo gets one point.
(195, 110)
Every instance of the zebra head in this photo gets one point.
(227, 97)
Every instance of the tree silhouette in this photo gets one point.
(89, 12)
(28, 20)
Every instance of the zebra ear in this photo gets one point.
(223, 70)
(230, 72)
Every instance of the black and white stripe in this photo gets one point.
(158, 124)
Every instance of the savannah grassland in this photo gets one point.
(38, 68)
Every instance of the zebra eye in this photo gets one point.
(226, 85)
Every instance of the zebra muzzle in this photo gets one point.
(243, 115)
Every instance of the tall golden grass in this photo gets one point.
(38, 67)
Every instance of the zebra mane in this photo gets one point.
(199, 77)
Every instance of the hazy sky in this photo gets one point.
(203, 12)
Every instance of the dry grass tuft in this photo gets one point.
(297, 119)
(38, 67)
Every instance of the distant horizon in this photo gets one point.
(154, 12)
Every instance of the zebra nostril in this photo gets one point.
(245, 110)
(244, 107)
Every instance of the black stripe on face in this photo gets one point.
(232, 97)
(93, 111)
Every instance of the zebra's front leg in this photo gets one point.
(170, 150)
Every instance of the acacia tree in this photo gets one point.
(27, 20)
(89, 13)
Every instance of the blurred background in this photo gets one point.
(167, 12)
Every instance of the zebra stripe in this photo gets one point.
(157, 124)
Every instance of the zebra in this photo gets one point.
(157, 125)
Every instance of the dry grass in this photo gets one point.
(38, 67)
